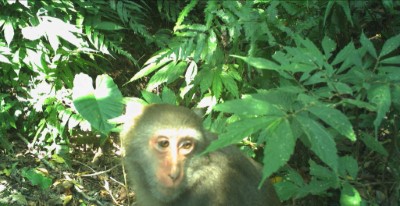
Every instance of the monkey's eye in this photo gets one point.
(163, 143)
(186, 147)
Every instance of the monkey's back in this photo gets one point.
(227, 177)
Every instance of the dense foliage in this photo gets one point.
(310, 88)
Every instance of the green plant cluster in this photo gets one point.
(311, 84)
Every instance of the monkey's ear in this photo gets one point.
(200, 112)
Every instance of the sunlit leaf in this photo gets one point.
(100, 104)
(8, 32)
(249, 106)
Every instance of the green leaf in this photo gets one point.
(390, 45)
(279, 147)
(344, 54)
(391, 60)
(151, 98)
(152, 64)
(249, 106)
(328, 45)
(216, 86)
(373, 144)
(322, 142)
(37, 178)
(238, 130)
(259, 63)
(346, 8)
(380, 95)
(168, 96)
(368, 45)
(201, 41)
(98, 105)
(107, 25)
(335, 119)
(167, 74)
(350, 196)
(230, 84)
(348, 166)
(340, 87)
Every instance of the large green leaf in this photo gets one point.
(390, 45)
(259, 63)
(249, 106)
(322, 142)
(335, 119)
(380, 95)
(279, 147)
(238, 130)
(98, 105)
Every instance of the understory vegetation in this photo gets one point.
(310, 89)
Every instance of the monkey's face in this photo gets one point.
(171, 147)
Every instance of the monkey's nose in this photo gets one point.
(174, 175)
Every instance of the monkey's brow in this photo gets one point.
(180, 132)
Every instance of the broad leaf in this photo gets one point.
(380, 95)
(238, 130)
(279, 147)
(322, 143)
(335, 119)
(259, 63)
(390, 45)
(97, 105)
(249, 106)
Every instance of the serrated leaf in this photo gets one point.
(206, 78)
(279, 147)
(348, 166)
(201, 41)
(238, 130)
(212, 43)
(259, 63)
(328, 45)
(390, 45)
(373, 144)
(322, 143)
(151, 97)
(168, 96)
(380, 95)
(230, 84)
(161, 76)
(249, 106)
(216, 86)
(98, 105)
(152, 64)
(344, 53)
(340, 87)
(368, 45)
(335, 119)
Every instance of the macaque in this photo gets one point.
(162, 147)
